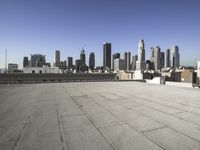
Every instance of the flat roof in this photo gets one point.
(99, 116)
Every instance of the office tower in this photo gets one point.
(37, 60)
(125, 58)
(155, 57)
(115, 56)
(69, 62)
(162, 59)
(82, 57)
(174, 57)
(128, 61)
(167, 58)
(134, 59)
(92, 61)
(77, 64)
(25, 62)
(107, 55)
(56, 58)
(119, 64)
(140, 64)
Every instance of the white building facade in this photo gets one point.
(140, 63)
(41, 70)
(198, 69)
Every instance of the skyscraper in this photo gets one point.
(155, 57)
(128, 61)
(119, 64)
(69, 62)
(174, 57)
(25, 62)
(134, 59)
(37, 60)
(140, 64)
(167, 58)
(125, 59)
(107, 55)
(77, 64)
(162, 59)
(92, 61)
(115, 56)
(56, 58)
(82, 57)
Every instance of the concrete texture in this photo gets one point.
(99, 116)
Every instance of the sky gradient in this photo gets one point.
(42, 26)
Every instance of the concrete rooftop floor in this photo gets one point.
(99, 116)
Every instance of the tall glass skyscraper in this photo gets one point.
(155, 58)
(70, 62)
(174, 57)
(107, 55)
(82, 57)
(25, 62)
(56, 61)
(167, 58)
(92, 61)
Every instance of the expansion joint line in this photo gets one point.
(109, 142)
(62, 136)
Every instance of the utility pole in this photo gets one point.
(5, 61)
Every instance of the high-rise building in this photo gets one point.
(134, 59)
(119, 64)
(69, 62)
(128, 61)
(107, 55)
(25, 62)
(82, 57)
(140, 64)
(125, 58)
(162, 59)
(115, 56)
(167, 58)
(174, 57)
(92, 61)
(78, 64)
(56, 58)
(155, 57)
(37, 60)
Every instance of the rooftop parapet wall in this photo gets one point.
(31, 78)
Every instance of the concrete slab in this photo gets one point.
(98, 115)
(193, 118)
(126, 138)
(172, 122)
(9, 136)
(172, 140)
(80, 134)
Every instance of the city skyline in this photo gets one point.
(30, 27)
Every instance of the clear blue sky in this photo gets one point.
(41, 26)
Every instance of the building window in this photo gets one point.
(33, 71)
(40, 71)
